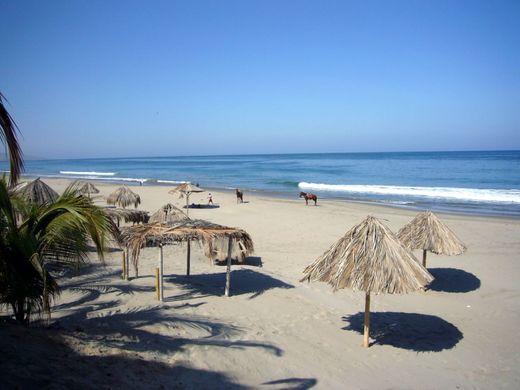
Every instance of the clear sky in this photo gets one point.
(148, 78)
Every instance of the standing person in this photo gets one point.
(210, 199)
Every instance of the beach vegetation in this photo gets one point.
(8, 136)
(36, 239)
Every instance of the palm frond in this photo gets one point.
(8, 136)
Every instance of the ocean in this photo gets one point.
(484, 182)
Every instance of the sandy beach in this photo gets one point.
(275, 332)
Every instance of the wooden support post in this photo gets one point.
(228, 272)
(424, 258)
(187, 204)
(161, 273)
(157, 288)
(127, 276)
(366, 333)
(123, 273)
(188, 259)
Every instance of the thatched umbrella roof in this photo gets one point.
(208, 233)
(38, 192)
(186, 189)
(124, 197)
(85, 187)
(369, 258)
(429, 233)
(168, 213)
(134, 216)
(215, 239)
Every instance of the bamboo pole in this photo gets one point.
(188, 259)
(157, 288)
(161, 269)
(123, 257)
(228, 271)
(366, 332)
(187, 204)
(424, 258)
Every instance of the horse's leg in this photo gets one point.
(315, 201)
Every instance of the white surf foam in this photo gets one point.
(88, 173)
(172, 181)
(462, 194)
(98, 178)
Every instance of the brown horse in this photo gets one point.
(308, 197)
(240, 196)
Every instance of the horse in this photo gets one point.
(240, 196)
(308, 197)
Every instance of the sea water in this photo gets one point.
(485, 182)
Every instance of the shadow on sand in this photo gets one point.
(65, 368)
(243, 281)
(202, 206)
(292, 383)
(453, 280)
(416, 332)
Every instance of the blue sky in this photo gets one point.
(149, 78)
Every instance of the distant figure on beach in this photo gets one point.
(240, 196)
(210, 199)
(308, 196)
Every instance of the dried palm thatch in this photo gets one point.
(124, 197)
(167, 214)
(38, 192)
(85, 187)
(369, 258)
(134, 216)
(186, 189)
(429, 233)
(208, 233)
(215, 239)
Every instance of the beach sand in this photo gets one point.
(275, 332)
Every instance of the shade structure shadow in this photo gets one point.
(243, 281)
(292, 383)
(453, 280)
(412, 331)
(202, 206)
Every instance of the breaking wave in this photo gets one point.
(88, 173)
(461, 194)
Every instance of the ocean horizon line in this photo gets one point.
(3, 159)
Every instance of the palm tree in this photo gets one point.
(8, 137)
(34, 237)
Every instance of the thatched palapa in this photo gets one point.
(85, 187)
(216, 239)
(369, 258)
(186, 189)
(38, 192)
(168, 214)
(134, 216)
(429, 233)
(124, 197)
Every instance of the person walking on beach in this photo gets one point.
(210, 199)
